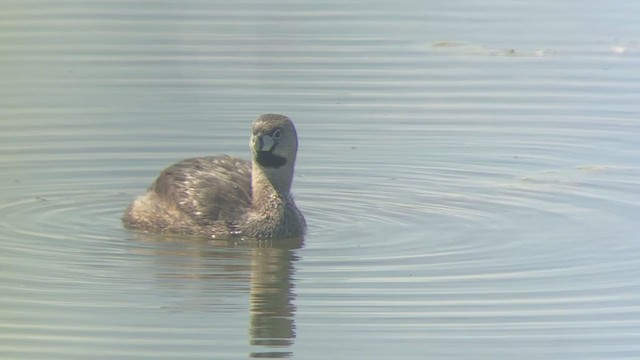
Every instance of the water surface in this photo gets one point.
(469, 173)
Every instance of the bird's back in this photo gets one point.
(197, 196)
(208, 189)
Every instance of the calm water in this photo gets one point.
(469, 171)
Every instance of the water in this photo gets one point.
(469, 173)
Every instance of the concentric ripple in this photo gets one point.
(518, 251)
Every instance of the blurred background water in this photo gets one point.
(469, 171)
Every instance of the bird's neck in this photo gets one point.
(266, 184)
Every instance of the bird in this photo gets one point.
(224, 196)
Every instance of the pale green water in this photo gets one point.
(469, 172)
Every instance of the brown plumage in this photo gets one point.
(224, 196)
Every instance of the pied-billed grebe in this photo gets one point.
(224, 196)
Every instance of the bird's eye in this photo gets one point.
(276, 134)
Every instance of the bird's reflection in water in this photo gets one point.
(271, 307)
(266, 268)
